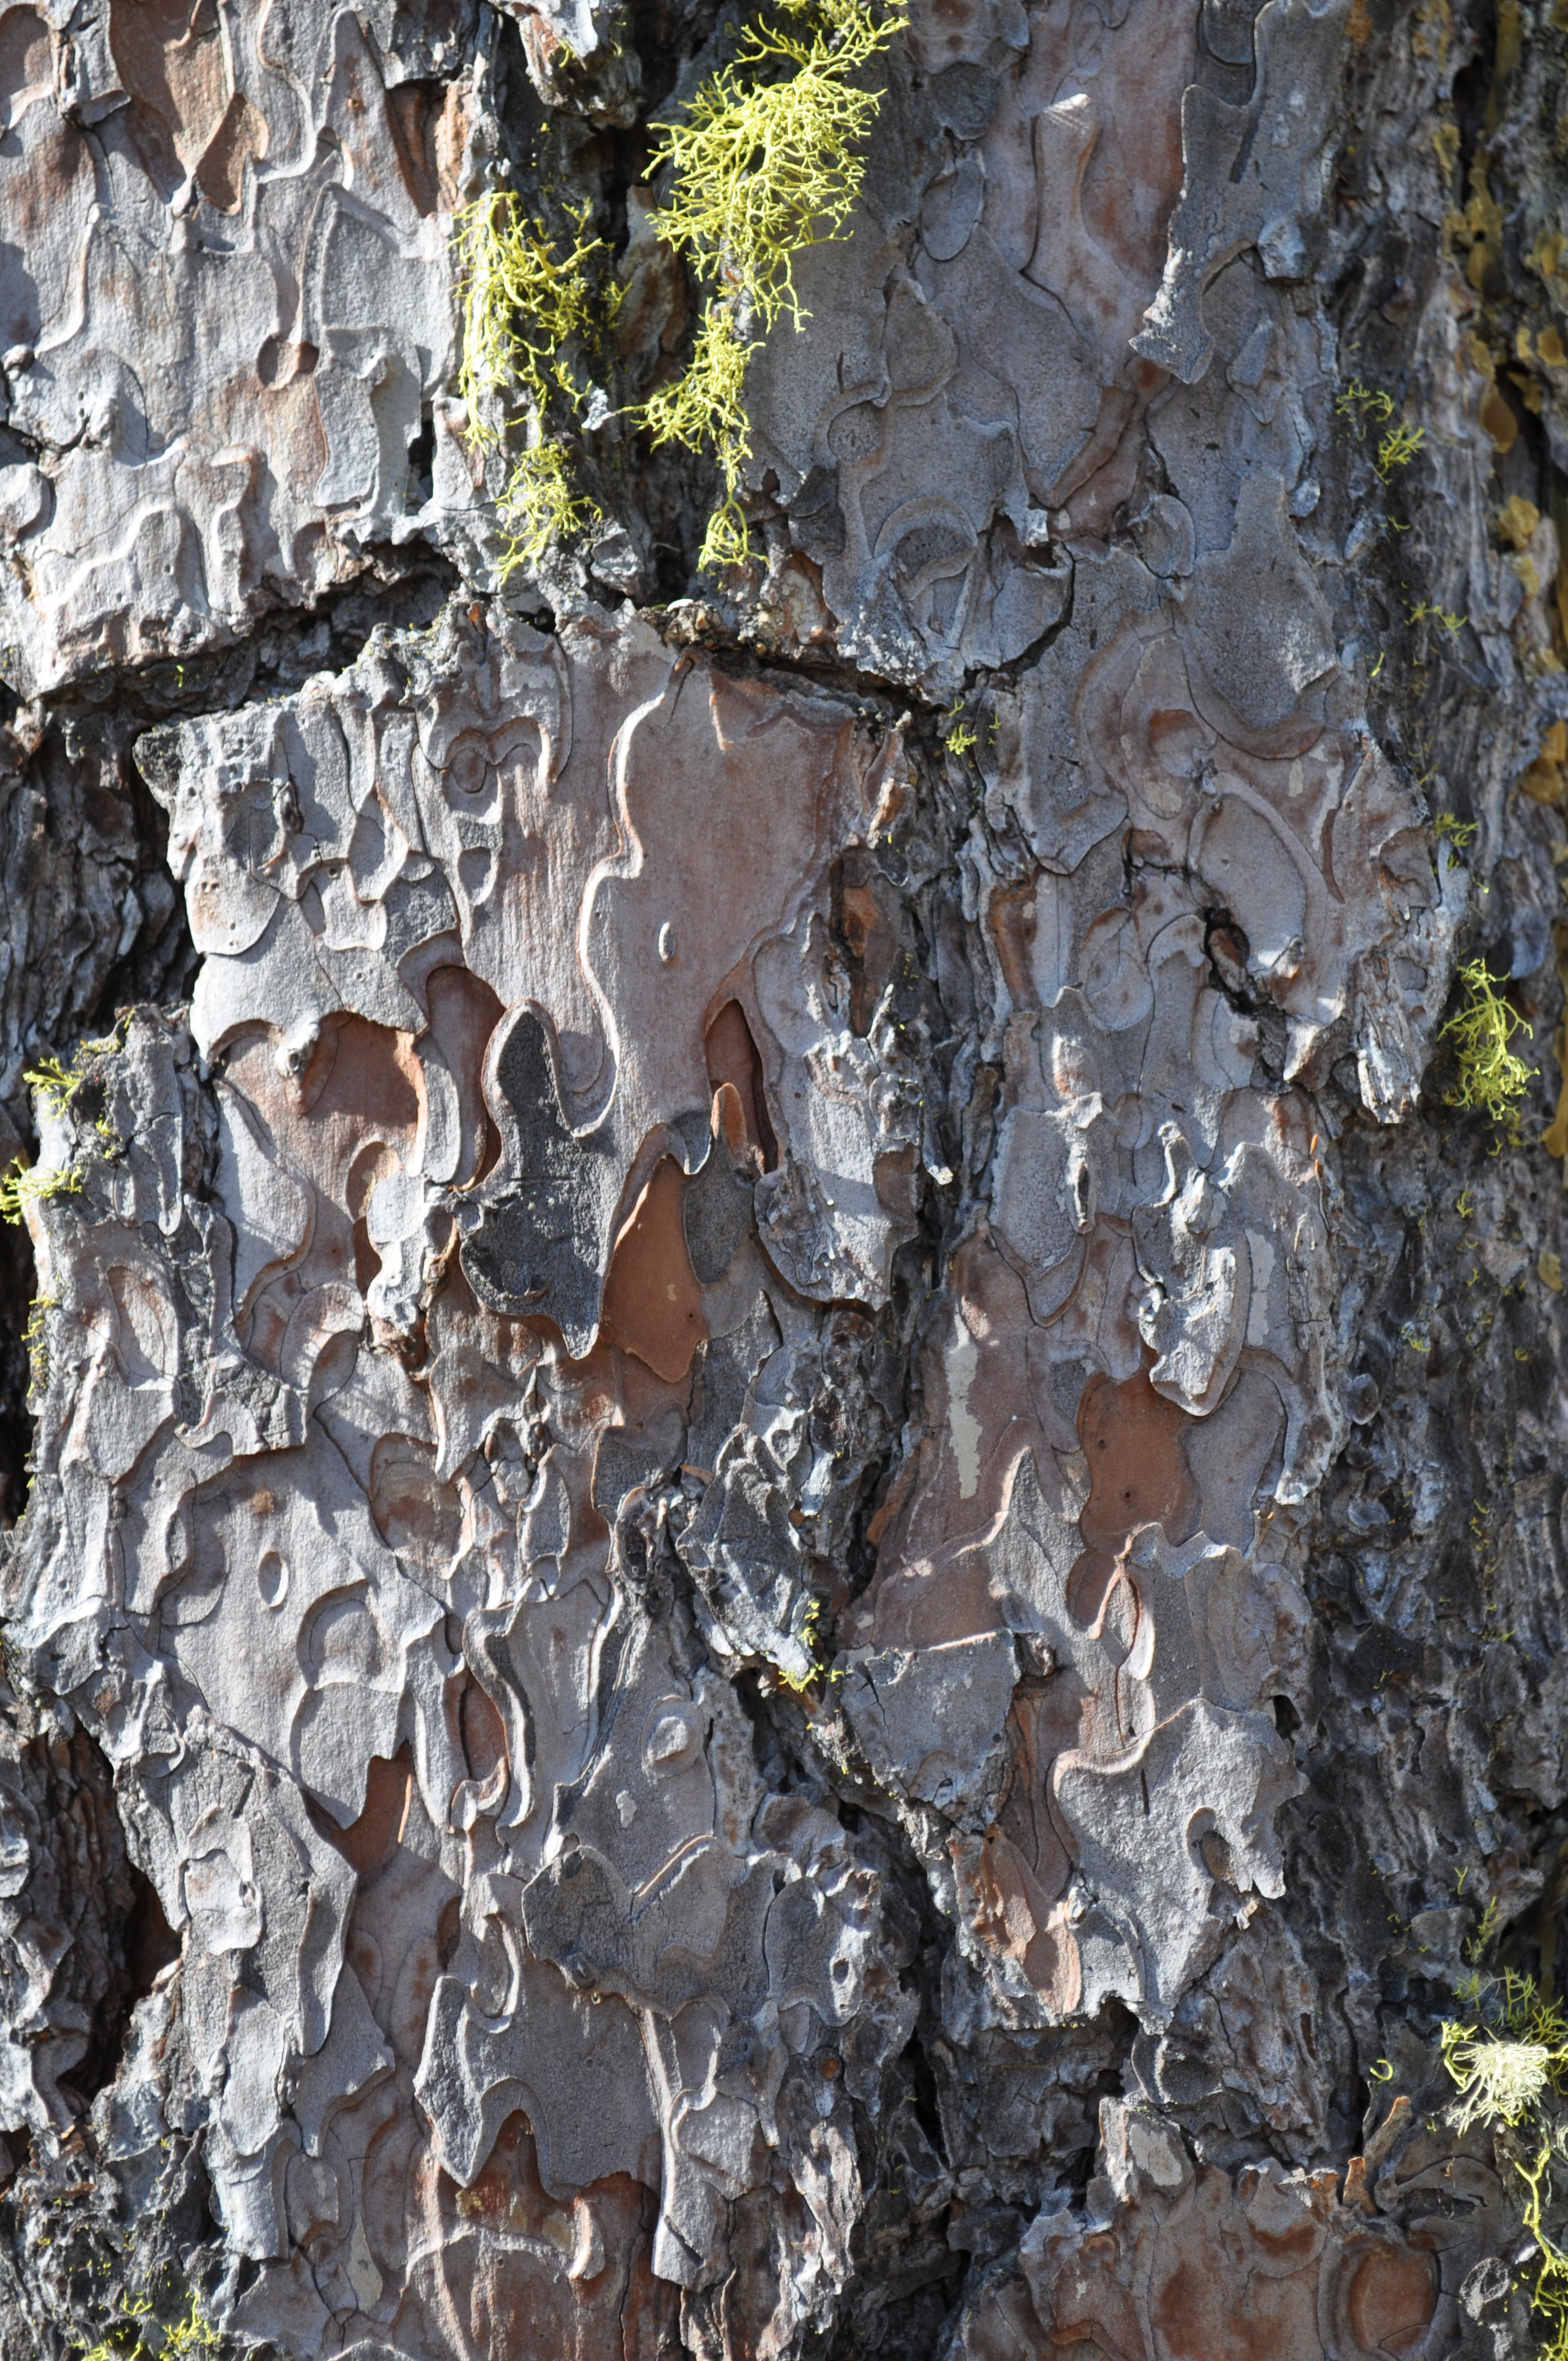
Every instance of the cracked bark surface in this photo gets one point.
(794, 1567)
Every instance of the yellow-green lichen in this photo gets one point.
(24, 1185)
(190, 2338)
(957, 736)
(540, 505)
(1489, 1077)
(1507, 2064)
(763, 165)
(35, 1341)
(1486, 1557)
(1370, 406)
(1397, 448)
(55, 1083)
(813, 1641)
(703, 409)
(1426, 610)
(1365, 404)
(531, 301)
(524, 300)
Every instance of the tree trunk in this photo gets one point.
(794, 1579)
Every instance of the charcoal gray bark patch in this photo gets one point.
(537, 1242)
(717, 1211)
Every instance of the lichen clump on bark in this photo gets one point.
(1509, 2065)
(764, 166)
(1492, 1079)
(528, 309)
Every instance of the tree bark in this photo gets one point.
(792, 1580)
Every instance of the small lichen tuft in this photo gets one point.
(24, 1185)
(703, 409)
(1363, 402)
(530, 303)
(1397, 448)
(35, 1342)
(191, 2338)
(55, 1083)
(539, 506)
(1497, 2079)
(812, 1668)
(1489, 1077)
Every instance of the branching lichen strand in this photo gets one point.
(1490, 1078)
(24, 1185)
(764, 166)
(524, 303)
(1505, 2070)
(705, 410)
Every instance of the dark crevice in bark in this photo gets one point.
(19, 1287)
(402, 588)
(1474, 83)
(151, 1944)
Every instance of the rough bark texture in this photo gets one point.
(795, 1575)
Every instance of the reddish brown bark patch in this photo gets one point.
(1392, 2299)
(1131, 1440)
(368, 1841)
(653, 1304)
(732, 1058)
